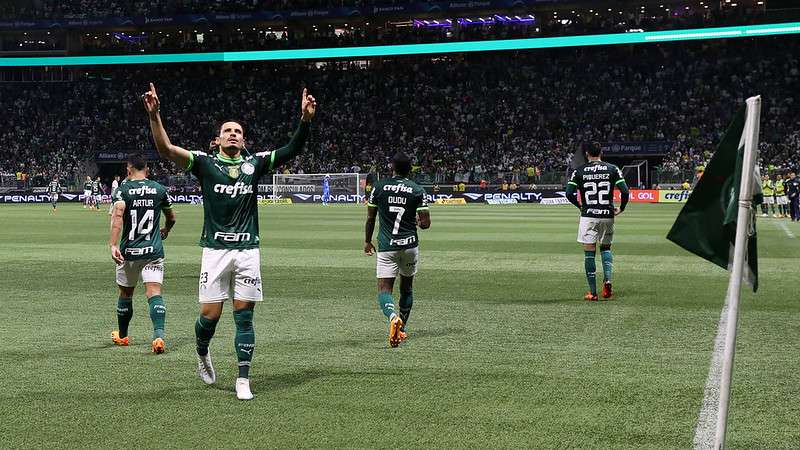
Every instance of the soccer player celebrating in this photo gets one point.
(400, 204)
(54, 188)
(326, 190)
(136, 247)
(87, 192)
(230, 268)
(594, 182)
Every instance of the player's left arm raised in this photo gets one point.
(116, 230)
(308, 108)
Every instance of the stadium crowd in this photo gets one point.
(491, 116)
(259, 37)
(121, 8)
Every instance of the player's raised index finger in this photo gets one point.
(152, 89)
(305, 92)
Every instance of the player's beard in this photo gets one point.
(230, 151)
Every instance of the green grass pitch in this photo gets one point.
(503, 353)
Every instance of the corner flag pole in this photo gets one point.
(751, 129)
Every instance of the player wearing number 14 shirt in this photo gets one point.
(136, 247)
(591, 189)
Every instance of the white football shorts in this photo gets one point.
(150, 271)
(403, 262)
(230, 274)
(596, 231)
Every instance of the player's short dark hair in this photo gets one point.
(401, 163)
(137, 161)
(593, 149)
(241, 124)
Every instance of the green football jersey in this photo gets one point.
(595, 182)
(397, 199)
(53, 187)
(230, 199)
(141, 222)
(87, 186)
(95, 188)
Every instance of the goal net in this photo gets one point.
(636, 174)
(309, 187)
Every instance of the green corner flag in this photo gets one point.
(706, 226)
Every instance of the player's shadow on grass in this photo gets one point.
(535, 300)
(281, 381)
(416, 335)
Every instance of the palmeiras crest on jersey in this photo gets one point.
(248, 169)
(233, 171)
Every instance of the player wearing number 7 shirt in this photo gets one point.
(594, 184)
(400, 204)
(136, 247)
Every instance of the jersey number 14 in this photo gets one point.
(143, 226)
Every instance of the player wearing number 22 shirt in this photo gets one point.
(400, 204)
(137, 249)
(591, 189)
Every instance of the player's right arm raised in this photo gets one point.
(178, 155)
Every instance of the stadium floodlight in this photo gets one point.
(774, 29)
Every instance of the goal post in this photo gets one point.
(635, 173)
(309, 187)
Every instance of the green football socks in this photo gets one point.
(245, 340)
(386, 303)
(158, 313)
(591, 269)
(608, 264)
(124, 315)
(204, 330)
(406, 302)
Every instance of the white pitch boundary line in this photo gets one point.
(782, 225)
(706, 429)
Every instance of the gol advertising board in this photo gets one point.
(639, 196)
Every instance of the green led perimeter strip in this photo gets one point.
(415, 49)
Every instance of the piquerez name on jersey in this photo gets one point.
(229, 197)
(397, 200)
(595, 182)
(141, 233)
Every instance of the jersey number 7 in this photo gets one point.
(400, 211)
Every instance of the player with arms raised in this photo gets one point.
(400, 204)
(231, 264)
(136, 247)
(594, 182)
